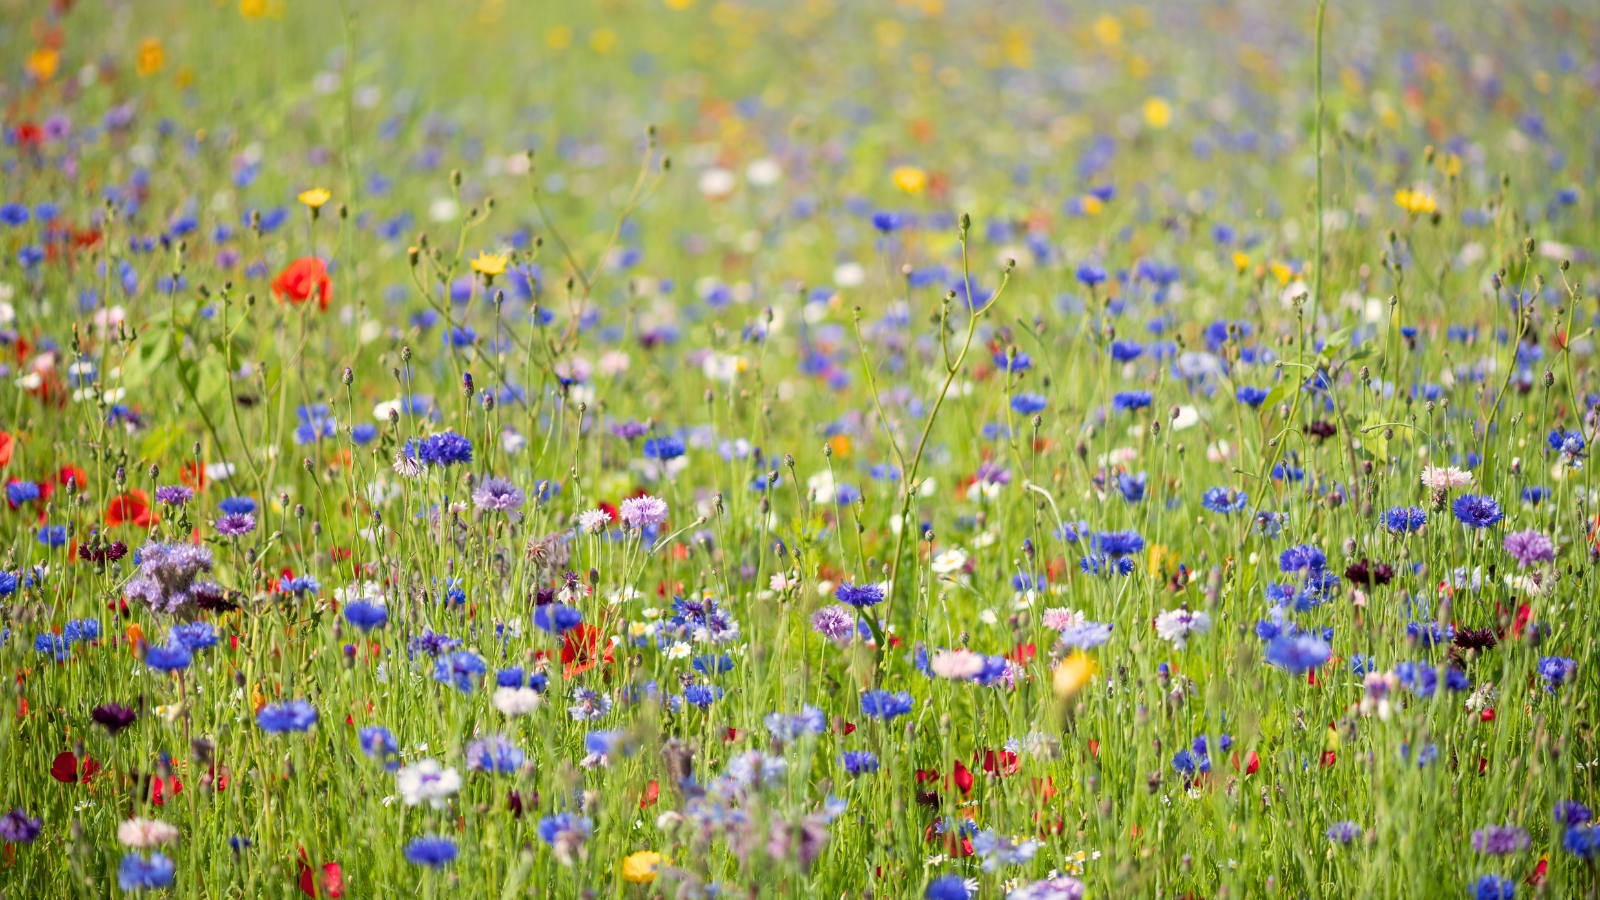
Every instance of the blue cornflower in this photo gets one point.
(13, 215)
(565, 830)
(1569, 444)
(1026, 404)
(237, 505)
(1492, 887)
(859, 595)
(859, 762)
(1556, 671)
(1131, 486)
(1126, 351)
(664, 448)
(303, 584)
(446, 449)
(1098, 564)
(1344, 832)
(174, 658)
(1022, 362)
(316, 423)
(1118, 543)
(82, 630)
(432, 851)
(460, 669)
(52, 535)
(20, 492)
(947, 887)
(701, 695)
(1224, 500)
(885, 222)
(379, 743)
(1404, 519)
(295, 715)
(1571, 812)
(1534, 494)
(707, 664)
(557, 618)
(365, 614)
(1091, 274)
(494, 753)
(54, 644)
(1582, 841)
(1302, 558)
(364, 433)
(608, 743)
(1476, 511)
(789, 727)
(1086, 635)
(135, 873)
(886, 705)
(194, 636)
(1297, 653)
(1128, 401)
(1251, 396)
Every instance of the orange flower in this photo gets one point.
(152, 56)
(300, 279)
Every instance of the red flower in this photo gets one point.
(192, 474)
(652, 793)
(1537, 878)
(963, 777)
(69, 769)
(159, 787)
(331, 883)
(1023, 654)
(7, 445)
(579, 649)
(79, 478)
(131, 507)
(998, 763)
(300, 279)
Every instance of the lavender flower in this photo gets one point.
(642, 512)
(835, 622)
(1500, 840)
(174, 495)
(497, 495)
(169, 575)
(1529, 547)
(17, 828)
(235, 524)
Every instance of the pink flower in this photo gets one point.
(1057, 618)
(1445, 477)
(957, 665)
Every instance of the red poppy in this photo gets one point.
(652, 793)
(300, 279)
(69, 769)
(131, 507)
(159, 788)
(580, 650)
(331, 884)
(1537, 878)
(1023, 654)
(998, 763)
(7, 445)
(733, 736)
(75, 475)
(962, 777)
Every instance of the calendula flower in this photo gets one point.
(910, 179)
(641, 867)
(152, 56)
(315, 197)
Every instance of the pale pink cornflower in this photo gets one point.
(1445, 478)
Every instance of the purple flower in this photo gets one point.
(641, 512)
(497, 495)
(1344, 832)
(835, 622)
(235, 524)
(1475, 511)
(886, 705)
(1297, 652)
(445, 449)
(113, 717)
(277, 718)
(495, 753)
(859, 595)
(174, 495)
(1529, 547)
(17, 828)
(169, 576)
(1500, 840)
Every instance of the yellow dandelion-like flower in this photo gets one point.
(558, 38)
(253, 9)
(910, 179)
(1280, 271)
(1240, 261)
(641, 867)
(1092, 205)
(1072, 674)
(152, 56)
(1157, 112)
(315, 197)
(490, 264)
(1107, 30)
(1415, 202)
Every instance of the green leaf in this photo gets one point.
(156, 444)
(147, 360)
(213, 386)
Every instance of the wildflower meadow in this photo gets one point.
(748, 449)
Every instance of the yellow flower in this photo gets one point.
(1092, 205)
(910, 179)
(679, 4)
(1157, 112)
(151, 57)
(1451, 165)
(640, 868)
(43, 62)
(603, 40)
(490, 264)
(252, 9)
(1107, 30)
(315, 197)
(1282, 272)
(558, 38)
(1415, 201)
(1240, 261)
(1072, 674)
